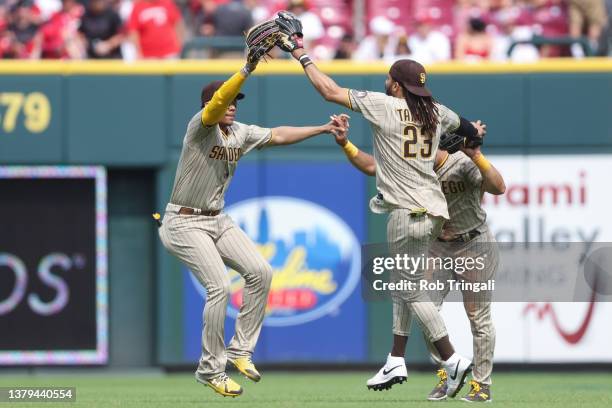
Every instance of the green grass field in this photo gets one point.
(320, 390)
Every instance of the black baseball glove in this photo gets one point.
(473, 141)
(260, 39)
(452, 142)
(290, 38)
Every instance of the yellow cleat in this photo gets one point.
(246, 367)
(224, 385)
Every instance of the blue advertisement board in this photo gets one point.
(308, 220)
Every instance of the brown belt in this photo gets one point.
(197, 211)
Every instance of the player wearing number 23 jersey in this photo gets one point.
(406, 123)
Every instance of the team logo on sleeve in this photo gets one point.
(313, 252)
(359, 94)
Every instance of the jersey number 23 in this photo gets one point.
(411, 144)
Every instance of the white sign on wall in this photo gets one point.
(563, 198)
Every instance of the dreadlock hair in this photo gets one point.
(423, 110)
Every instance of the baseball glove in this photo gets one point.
(451, 142)
(260, 39)
(472, 142)
(290, 31)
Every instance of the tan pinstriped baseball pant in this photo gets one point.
(477, 304)
(412, 234)
(205, 245)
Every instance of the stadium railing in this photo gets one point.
(216, 43)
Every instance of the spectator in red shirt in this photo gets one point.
(5, 40)
(475, 43)
(3, 17)
(58, 38)
(156, 28)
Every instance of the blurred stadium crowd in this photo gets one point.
(426, 30)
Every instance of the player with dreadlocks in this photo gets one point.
(406, 123)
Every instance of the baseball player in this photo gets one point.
(406, 123)
(197, 231)
(464, 176)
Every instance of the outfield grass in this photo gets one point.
(323, 390)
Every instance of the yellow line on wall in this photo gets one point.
(284, 67)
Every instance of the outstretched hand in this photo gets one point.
(480, 127)
(334, 126)
(342, 123)
(474, 151)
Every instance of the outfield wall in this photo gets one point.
(115, 114)
(131, 119)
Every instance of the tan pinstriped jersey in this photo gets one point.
(461, 183)
(209, 159)
(404, 157)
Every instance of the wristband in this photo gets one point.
(246, 70)
(305, 60)
(482, 163)
(350, 150)
(466, 128)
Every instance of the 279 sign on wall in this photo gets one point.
(53, 307)
(32, 109)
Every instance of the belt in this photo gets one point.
(413, 211)
(465, 237)
(197, 211)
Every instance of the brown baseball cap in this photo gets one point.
(209, 90)
(412, 75)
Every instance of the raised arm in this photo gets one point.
(360, 160)
(260, 39)
(492, 180)
(214, 110)
(291, 40)
(326, 86)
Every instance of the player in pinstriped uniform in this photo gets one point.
(464, 177)
(406, 123)
(200, 235)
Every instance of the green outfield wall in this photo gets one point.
(131, 119)
(115, 114)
